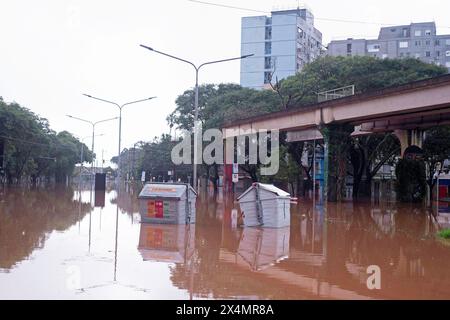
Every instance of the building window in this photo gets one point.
(300, 33)
(268, 20)
(373, 48)
(427, 43)
(268, 48)
(349, 48)
(447, 42)
(428, 54)
(447, 53)
(447, 64)
(403, 44)
(428, 32)
(393, 30)
(438, 53)
(418, 33)
(267, 77)
(405, 32)
(268, 33)
(437, 43)
(418, 43)
(267, 63)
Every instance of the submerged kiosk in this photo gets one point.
(167, 203)
(265, 205)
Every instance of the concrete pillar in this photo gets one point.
(410, 137)
(337, 141)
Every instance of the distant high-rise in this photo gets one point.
(417, 40)
(282, 44)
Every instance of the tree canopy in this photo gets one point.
(224, 103)
(364, 72)
(31, 149)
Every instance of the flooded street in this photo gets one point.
(53, 244)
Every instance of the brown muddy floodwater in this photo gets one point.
(53, 244)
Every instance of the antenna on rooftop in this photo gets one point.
(293, 5)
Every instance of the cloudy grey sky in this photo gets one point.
(51, 51)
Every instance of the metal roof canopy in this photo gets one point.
(164, 190)
(267, 187)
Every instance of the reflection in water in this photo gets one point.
(323, 254)
(167, 243)
(261, 248)
(28, 217)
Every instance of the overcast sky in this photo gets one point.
(52, 51)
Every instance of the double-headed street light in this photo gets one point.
(120, 121)
(93, 124)
(82, 146)
(197, 69)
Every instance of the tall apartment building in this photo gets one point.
(417, 40)
(282, 44)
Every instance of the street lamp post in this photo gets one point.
(120, 122)
(82, 149)
(93, 124)
(197, 69)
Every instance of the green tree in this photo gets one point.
(220, 104)
(411, 180)
(436, 149)
(366, 154)
(32, 149)
(364, 72)
(156, 160)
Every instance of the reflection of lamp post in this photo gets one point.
(118, 168)
(120, 121)
(197, 69)
(93, 124)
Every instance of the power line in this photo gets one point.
(24, 141)
(35, 143)
(317, 18)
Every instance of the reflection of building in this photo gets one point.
(167, 243)
(384, 219)
(263, 247)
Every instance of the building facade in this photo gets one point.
(282, 44)
(417, 40)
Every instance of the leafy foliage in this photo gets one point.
(444, 234)
(32, 149)
(367, 154)
(224, 103)
(411, 182)
(366, 73)
(436, 149)
(221, 103)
